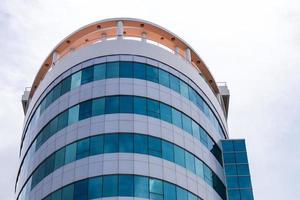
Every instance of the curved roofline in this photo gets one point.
(131, 27)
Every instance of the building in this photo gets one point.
(125, 108)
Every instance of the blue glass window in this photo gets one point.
(230, 169)
(184, 90)
(196, 130)
(141, 187)
(98, 106)
(186, 123)
(232, 182)
(153, 108)
(56, 92)
(73, 114)
(140, 105)
(199, 168)
(243, 169)
(126, 104)
(110, 186)
(152, 74)
(95, 188)
(126, 142)
(99, 71)
(189, 161)
(164, 78)
(70, 153)
(156, 189)
(229, 158)
(167, 151)
(234, 194)
(181, 194)
(227, 146)
(169, 191)
(96, 145)
(239, 145)
(67, 192)
(62, 120)
(241, 157)
(246, 194)
(126, 185)
(139, 70)
(179, 156)
(244, 182)
(176, 118)
(75, 80)
(126, 69)
(112, 70)
(81, 190)
(154, 146)
(140, 144)
(111, 143)
(66, 85)
(112, 104)
(174, 83)
(85, 110)
(56, 195)
(59, 158)
(83, 148)
(165, 113)
(87, 75)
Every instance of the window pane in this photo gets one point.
(141, 187)
(85, 110)
(169, 191)
(140, 105)
(96, 145)
(111, 143)
(227, 146)
(196, 130)
(243, 169)
(187, 124)
(239, 145)
(156, 186)
(98, 106)
(56, 92)
(75, 80)
(48, 99)
(229, 158)
(184, 90)
(66, 85)
(87, 75)
(191, 196)
(112, 70)
(234, 194)
(56, 195)
(246, 194)
(112, 104)
(152, 73)
(126, 142)
(140, 144)
(208, 175)
(81, 190)
(181, 194)
(99, 71)
(70, 153)
(232, 182)
(62, 120)
(73, 114)
(179, 156)
(110, 186)
(139, 71)
(165, 113)
(244, 182)
(83, 148)
(126, 185)
(126, 104)
(230, 170)
(167, 151)
(176, 118)
(67, 192)
(154, 146)
(153, 108)
(95, 188)
(126, 69)
(164, 78)
(241, 157)
(59, 158)
(189, 161)
(53, 126)
(174, 83)
(49, 165)
(199, 168)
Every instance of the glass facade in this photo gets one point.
(124, 69)
(237, 170)
(127, 143)
(122, 185)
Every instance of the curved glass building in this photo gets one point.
(125, 109)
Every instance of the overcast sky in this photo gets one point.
(253, 45)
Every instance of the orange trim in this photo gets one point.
(133, 28)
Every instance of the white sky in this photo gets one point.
(252, 45)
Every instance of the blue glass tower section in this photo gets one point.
(237, 170)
